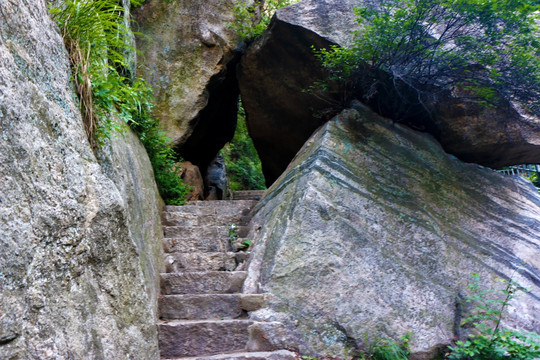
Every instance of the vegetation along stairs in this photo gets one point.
(203, 314)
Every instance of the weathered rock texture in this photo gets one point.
(80, 241)
(189, 57)
(191, 175)
(374, 230)
(202, 310)
(281, 116)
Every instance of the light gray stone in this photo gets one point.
(80, 240)
(203, 282)
(205, 337)
(201, 306)
(274, 355)
(374, 231)
(200, 261)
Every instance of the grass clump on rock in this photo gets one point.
(99, 43)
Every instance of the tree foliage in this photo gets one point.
(483, 49)
(251, 18)
(243, 164)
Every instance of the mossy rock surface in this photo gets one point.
(374, 231)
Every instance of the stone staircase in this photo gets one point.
(248, 195)
(203, 314)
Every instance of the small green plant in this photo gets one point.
(245, 244)
(387, 349)
(98, 43)
(233, 234)
(251, 18)
(491, 341)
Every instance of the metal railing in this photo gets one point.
(526, 170)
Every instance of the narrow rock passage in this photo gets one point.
(203, 313)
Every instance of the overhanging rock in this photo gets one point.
(374, 231)
(189, 56)
(279, 67)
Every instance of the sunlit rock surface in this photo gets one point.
(374, 231)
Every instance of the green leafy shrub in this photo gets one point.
(243, 164)
(251, 18)
(534, 178)
(483, 49)
(98, 43)
(491, 341)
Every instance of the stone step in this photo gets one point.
(203, 245)
(212, 232)
(202, 282)
(194, 243)
(181, 338)
(208, 306)
(204, 217)
(274, 355)
(215, 204)
(249, 195)
(201, 261)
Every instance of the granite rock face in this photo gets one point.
(189, 56)
(281, 116)
(374, 230)
(80, 240)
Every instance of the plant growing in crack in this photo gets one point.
(233, 234)
(494, 342)
(245, 244)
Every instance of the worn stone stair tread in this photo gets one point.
(202, 282)
(273, 355)
(208, 306)
(249, 195)
(179, 338)
(245, 204)
(194, 244)
(202, 310)
(204, 218)
(221, 232)
(200, 261)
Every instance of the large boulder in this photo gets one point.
(374, 231)
(189, 56)
(280, 66)
(80, 240)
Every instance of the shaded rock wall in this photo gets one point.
(278, 68)
(189, 57)
(80, 241)
(281, 116)
(374, 231)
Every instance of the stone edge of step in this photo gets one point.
(283, 355)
